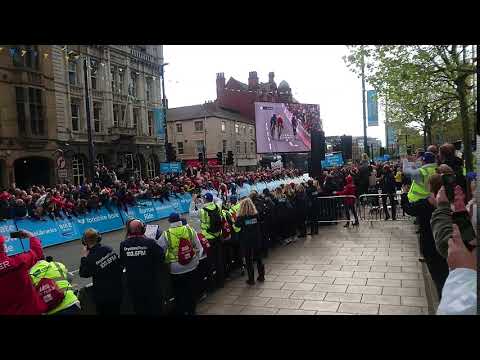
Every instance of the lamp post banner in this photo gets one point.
(372, 106)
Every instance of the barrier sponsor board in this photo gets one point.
(103, 221)
(12, 246)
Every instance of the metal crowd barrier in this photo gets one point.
(332, 208)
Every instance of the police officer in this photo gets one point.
(183, 275)
(142, 258)
(210, 223)
(102, 264)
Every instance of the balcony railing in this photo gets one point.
(121, 131)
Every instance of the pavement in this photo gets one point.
(367, 270)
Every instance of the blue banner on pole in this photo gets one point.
(332, 160)
(172, 167)
(159, 120)
(372, 106)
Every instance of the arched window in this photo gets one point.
(151, 164)
(78, 167)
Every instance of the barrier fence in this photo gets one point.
(58, 231)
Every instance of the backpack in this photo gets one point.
(226, 229)
(49, 291)
(215, 225)
(185, 250)
(205, 244)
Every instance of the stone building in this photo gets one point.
(43, 111)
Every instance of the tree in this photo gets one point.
(424, 85)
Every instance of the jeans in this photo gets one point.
(351, 208)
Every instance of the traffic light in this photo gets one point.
(220, 157)
(170, 153)
(200, 157)
(229, 158)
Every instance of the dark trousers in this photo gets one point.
(351, 208)
(252, 255)
(203, 276)
(233, 255)
(217, 252)
(391, 198)
(184, 291)
(145, 303)
(302, 226)
(108, 308)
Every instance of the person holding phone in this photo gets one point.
(19, 296)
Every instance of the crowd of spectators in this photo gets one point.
(307, 114)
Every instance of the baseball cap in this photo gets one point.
(428, 157)
(208, 197)
(174, 217)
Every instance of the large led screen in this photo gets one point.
(285, 127)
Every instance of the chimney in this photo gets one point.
(252, 80)
(271, 75)
(220, 84)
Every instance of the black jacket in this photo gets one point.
(142, 258)
(250, 231)
(388, 184)
(102, 264)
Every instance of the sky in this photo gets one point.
(316, 74)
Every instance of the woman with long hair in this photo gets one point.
(250, 239)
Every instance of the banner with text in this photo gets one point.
(372, 106)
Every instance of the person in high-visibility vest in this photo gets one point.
(237, 253)
(56, 271)
(420, 177)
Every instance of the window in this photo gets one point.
(199, 146)
(136, 117)
(198, 125)
(180, 148)
(223, 126)
(179, 128)
(224, 146)
(151, 167)
(237, 147)
(132, 90)
(244, 130)
(26, 57)
(121, 80)
(236, 128)
(116, 109)
(252, 147)
(72, 72)
(122, 116)
(149, 89)
(150, 123)
(113, 75)
(21, 116)
(100, 160)
(75, 110)
(93, 73)
(36, 111)
(251, 130)
(128, 161)
(78, 167)
(97, 114)
(245, 147)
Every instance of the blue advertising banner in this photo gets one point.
(159, 120)
(332, 160)
(103, 221)
(372, 106)
(12, 246)
(50, 232)
(173, 167)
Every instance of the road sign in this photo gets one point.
(62, 173)
(61, 163)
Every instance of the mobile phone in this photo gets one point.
(462, 219)
(449, 185)
(16, 235)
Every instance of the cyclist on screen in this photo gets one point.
(273, 124)
(279, 126)
(294, 125)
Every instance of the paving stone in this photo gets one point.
(309, 272)
(319, 279)
(251, 300)
(298, 286)
(327, 267)
(319, 262)
(284, 303)
(366, 262)
(357, 289)
(381, 299)
(220, 299)
(330, 288)
(401, 291)
(320, 305)
(350, 281)
(257, 310)
(402, 276)
(270, 293)
(368, 275)
(413, 283)
(344, 262)
(400, 310)
(413, 269)
(308, 295)
(224, 309)
(403, 263)
(301, 266)
(343, 297)
(295, 312)
(414, 301)
(202, 308)
(359, 308)
(355, 268)
(290, 278)
(281, 272)
(384, 282)
(248, 291)
(384, 269)
(332, 273)
(274, 285)
(332, 313)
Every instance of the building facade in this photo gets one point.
(209, 129)
(43, 111)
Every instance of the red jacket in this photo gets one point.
(349, 189)
(18, 296)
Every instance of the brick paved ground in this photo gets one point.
(370, 270)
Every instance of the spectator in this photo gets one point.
(388, 187)
(447, 156)
(420, 177)
(349, 203)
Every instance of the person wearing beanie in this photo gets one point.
(19, 296)
(182, 253)
(420, 177)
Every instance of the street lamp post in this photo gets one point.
(91, 157)
(365, 143)
(164, 99)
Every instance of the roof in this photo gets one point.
(283, 85)
(235, 84)
(185, 113)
